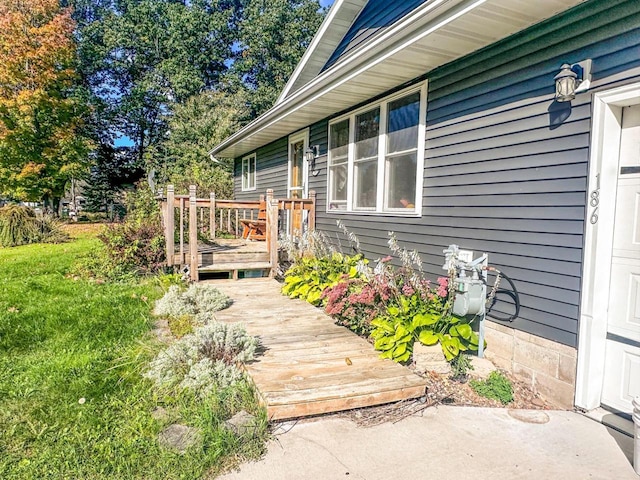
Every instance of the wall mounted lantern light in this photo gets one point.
(310, 155)
(572, 79)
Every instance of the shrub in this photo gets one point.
(496, 387)
(199, 300)
(19, 225)
(204, 360)
(309, 277)
(137, 246)
(133, 247)
(355, 302)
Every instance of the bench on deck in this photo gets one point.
(256, 229)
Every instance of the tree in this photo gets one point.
(140, 57)
(194, 129)
(113, 171)
(41, 146)
(273, 37)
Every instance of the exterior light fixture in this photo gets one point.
(572, 79)
(310, 155)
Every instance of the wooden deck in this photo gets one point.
(310, 365)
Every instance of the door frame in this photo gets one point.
(598, 246)
(295, 138)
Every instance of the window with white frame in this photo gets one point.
(376, 156)
(249, 172)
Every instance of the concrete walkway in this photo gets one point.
(448, 443)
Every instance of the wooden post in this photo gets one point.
(312, 211)
(272, 231)
(212, 216)
(169, 225)
(193, 234)
(182, 258)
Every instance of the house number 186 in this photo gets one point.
(595, 201)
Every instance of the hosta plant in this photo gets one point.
(422, 316)
(309, 277)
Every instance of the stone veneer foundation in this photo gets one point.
(549, 367)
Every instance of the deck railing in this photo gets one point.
(186, 217)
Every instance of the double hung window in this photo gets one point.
(376, 156)
(249, 172)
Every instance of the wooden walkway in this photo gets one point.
(310, 365)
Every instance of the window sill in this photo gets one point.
(365, 213)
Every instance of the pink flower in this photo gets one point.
(408, 290)
(386, 259)
(443, 289)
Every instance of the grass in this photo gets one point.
(72, 401)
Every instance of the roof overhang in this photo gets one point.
(434, 34)
(334, 27)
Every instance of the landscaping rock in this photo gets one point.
(482, 367)
(160, 414)
(430, 359)
(241, 423)
(179, 437)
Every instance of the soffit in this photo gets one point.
(427, 38)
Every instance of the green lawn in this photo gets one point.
(72, 401)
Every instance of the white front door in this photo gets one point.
(622, 352)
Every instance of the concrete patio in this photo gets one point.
(447, 442)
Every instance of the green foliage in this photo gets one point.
(173, 50)
(496, 386)
(421, 316)
(309, 278)
(74, 403)
(114, 170)
(273, 38)
(133, 247)
(19, 226)
(180, 326)
(460, 367)
(195, 128)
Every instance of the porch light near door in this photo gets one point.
(572, 79)
(310, 156)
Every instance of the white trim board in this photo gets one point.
(596, 273)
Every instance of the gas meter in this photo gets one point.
(470, 284)
(470, 280)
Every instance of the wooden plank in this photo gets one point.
(222, 267)
(295, 410)
(303, 370)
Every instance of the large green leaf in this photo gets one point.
(424, 320)
(384, 324)
(464, 331)
(399, 350)
(401, 331)
(427, 337)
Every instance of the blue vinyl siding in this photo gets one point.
(505, 166)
